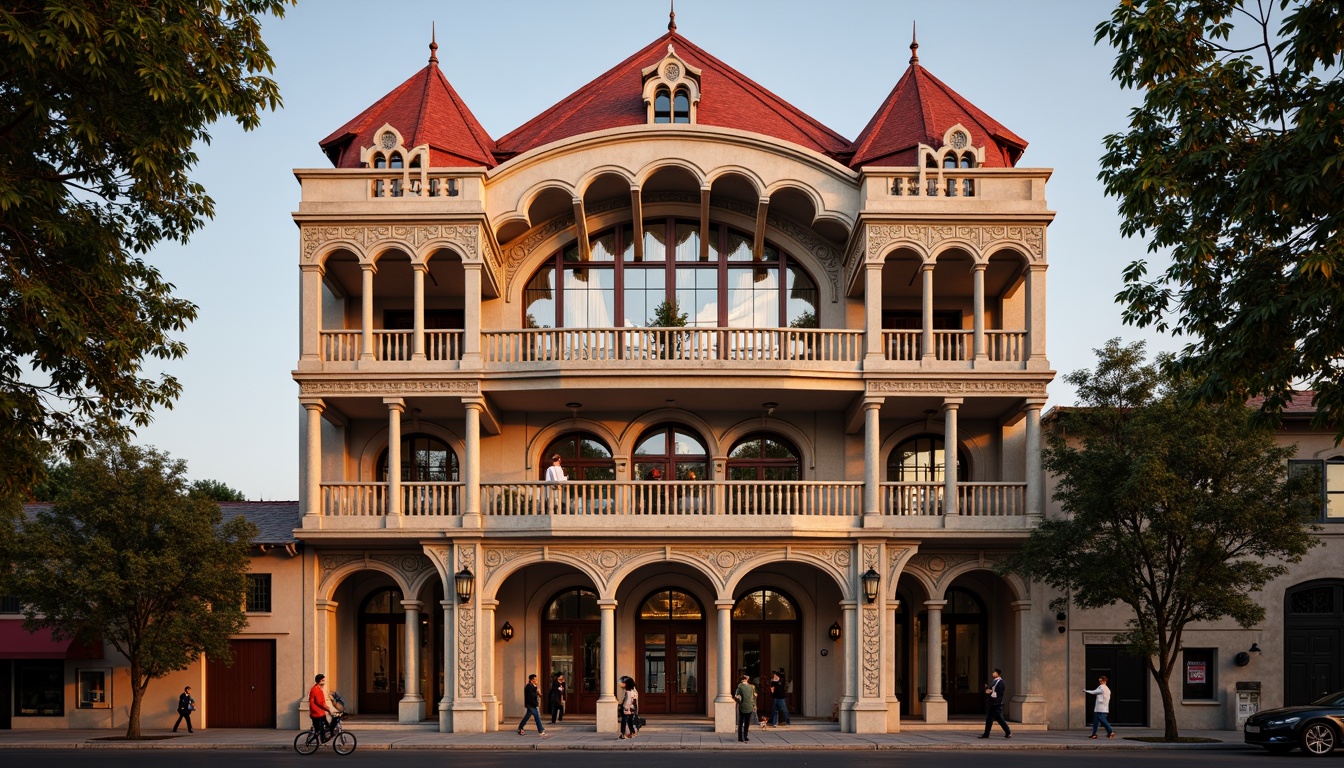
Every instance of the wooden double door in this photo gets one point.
(671, 667)
(573, 649)
(1127, 677)
(1313, 629)
(242, 695)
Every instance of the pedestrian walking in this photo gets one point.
(185, 706)
(994, 690)
(629, 708)
(555, 698)
(531, 706)
(746, 707)
(779, 705)
(1101, 708)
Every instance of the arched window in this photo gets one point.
(584, 457)
(573, 605)
(424, 459)
(379, 161)
(671, 605)
(662, 106)
(764, 457)
(920, 460)
(767, 641)
(670, 452)
(967, 160)
(950, 160)
(681, 107)
(395, 161)
(729, 286)
(764, 605)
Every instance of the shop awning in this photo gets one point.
(16, 643)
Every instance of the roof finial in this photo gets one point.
(433, 45)
(914, 45)
(672, 16)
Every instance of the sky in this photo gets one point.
(1030, 64)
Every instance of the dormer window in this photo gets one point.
(404, 169)
(662, 106)
(395, 162)
(671, 90)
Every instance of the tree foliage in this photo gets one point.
(1234, 166)
(1178, 512)
(127, 556)
(215, 490)
(102, 103)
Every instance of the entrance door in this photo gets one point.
(382, 636)
(965, 670)
(1313, 624)
(242, 695)
(766, 640)
(1127, 677)
(670, 636)
(573, 631)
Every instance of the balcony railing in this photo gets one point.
(546, 345)
(345, 346)
(1006, 346)
(812, 499)
(340, 346)
(413, 183)
(955, 346)
(902, 345)
(992, 499)
(431, 498)
(952, 345)
(354, 499)
(912, 499)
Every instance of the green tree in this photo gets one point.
(126, 555)
(1233, 166)
(102, 106)
(1178, 512)
(215, 490)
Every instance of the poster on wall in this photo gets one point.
(1196, 672)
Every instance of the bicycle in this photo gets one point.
(342, 741)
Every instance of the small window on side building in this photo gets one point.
(1199, 672)
(258, 593)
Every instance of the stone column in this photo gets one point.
(411, 708)
(849, 635)
(312, 463)
(725, 709)
(486, 639)
(926, 299)
(326, 631)
(471, 465)
(1029, 703)
(872, 463)
(1035, 301)
(978, 281)
(606, 677)
(950, 440)
(935, 706)
(875, 351)
(1035, 477)
(471, 332)
(418, 271)
(395, 407)
(889, 662)
(310, 313)
(470, 662)
(366, 339)
(449, 659)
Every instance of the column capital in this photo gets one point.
(447, 605)
(476, 403)
(395, 403)
(368, 266)
(607, 603)
(313, 403)
(927, 266)
(725, 605)
(935, 605)
(952, 403)
(419, 266)
(1021, 605)
(1033, 404)
(320, 269)
(488, 605)
(849, 604)
(873, 403)
(411, 605)
(979, 266)
(325, 606)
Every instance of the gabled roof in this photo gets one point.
(426, 110)
(919, 110)
(729, 100)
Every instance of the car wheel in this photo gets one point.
(1319, 739)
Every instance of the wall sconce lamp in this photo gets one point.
(1060, 618)
(465, 581)
(1244, 658)
(871, 579)
(506, 632)
(834, 631)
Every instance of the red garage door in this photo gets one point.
(243, 695)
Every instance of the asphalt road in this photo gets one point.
(177, 758)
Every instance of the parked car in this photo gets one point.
(1317, 728)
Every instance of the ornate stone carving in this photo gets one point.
(466, 632)
(840, 557)
(725, 561)
(871, 653)
(407, 564)
(329, 563)
(496, 557)
(881, 237)
(466, 236)
(870, 554)
(954, 386)
(894, 557)
(521, 248)
(390, 388)
(606, 561)
(938, 565)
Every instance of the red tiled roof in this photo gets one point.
(728, 99)
(426, 110)
(919, 110)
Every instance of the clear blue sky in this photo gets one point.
(1031, 65)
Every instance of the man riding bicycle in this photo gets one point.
(317, 707)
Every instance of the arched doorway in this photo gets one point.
(1313, 624)
(965, 663)
(766, 639)
(670, 635)
(424, 459)
(583, 455)
(906, 640)
(919, 459)
(572, 627)
(382, 640)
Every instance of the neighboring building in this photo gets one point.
(859, 317)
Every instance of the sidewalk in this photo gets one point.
(583, 735)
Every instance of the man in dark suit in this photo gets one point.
(994, 691)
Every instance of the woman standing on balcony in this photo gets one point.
(556, 474)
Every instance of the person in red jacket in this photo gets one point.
(317, 706)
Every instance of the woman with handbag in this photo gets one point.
(629, 708)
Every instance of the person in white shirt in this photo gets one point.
(556, 474)
(1101, 710)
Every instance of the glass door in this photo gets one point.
(382, 681)
(574, 651)
(671, 660)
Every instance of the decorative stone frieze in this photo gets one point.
(390, 388)
(467, 237)
(328, 563)
(606, 561)
(516, 255)
(466, 630)
(936, 567)
(871, 652)
(955, 386)
(840, 557)
(724, 562)
(407, 564)
(881, 237)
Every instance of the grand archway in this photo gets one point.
(670, 651)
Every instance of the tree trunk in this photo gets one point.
(133, 724)
(1170, 731)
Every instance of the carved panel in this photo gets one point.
(466, 631)
(937, 565)
(519, 250)
(329, 563)
(724, 562)
(391, 388)
(466, 236)
(954, 386)
(871, 653)
(606, 561)
(894, 557)
(881, 237)
(840, 557)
